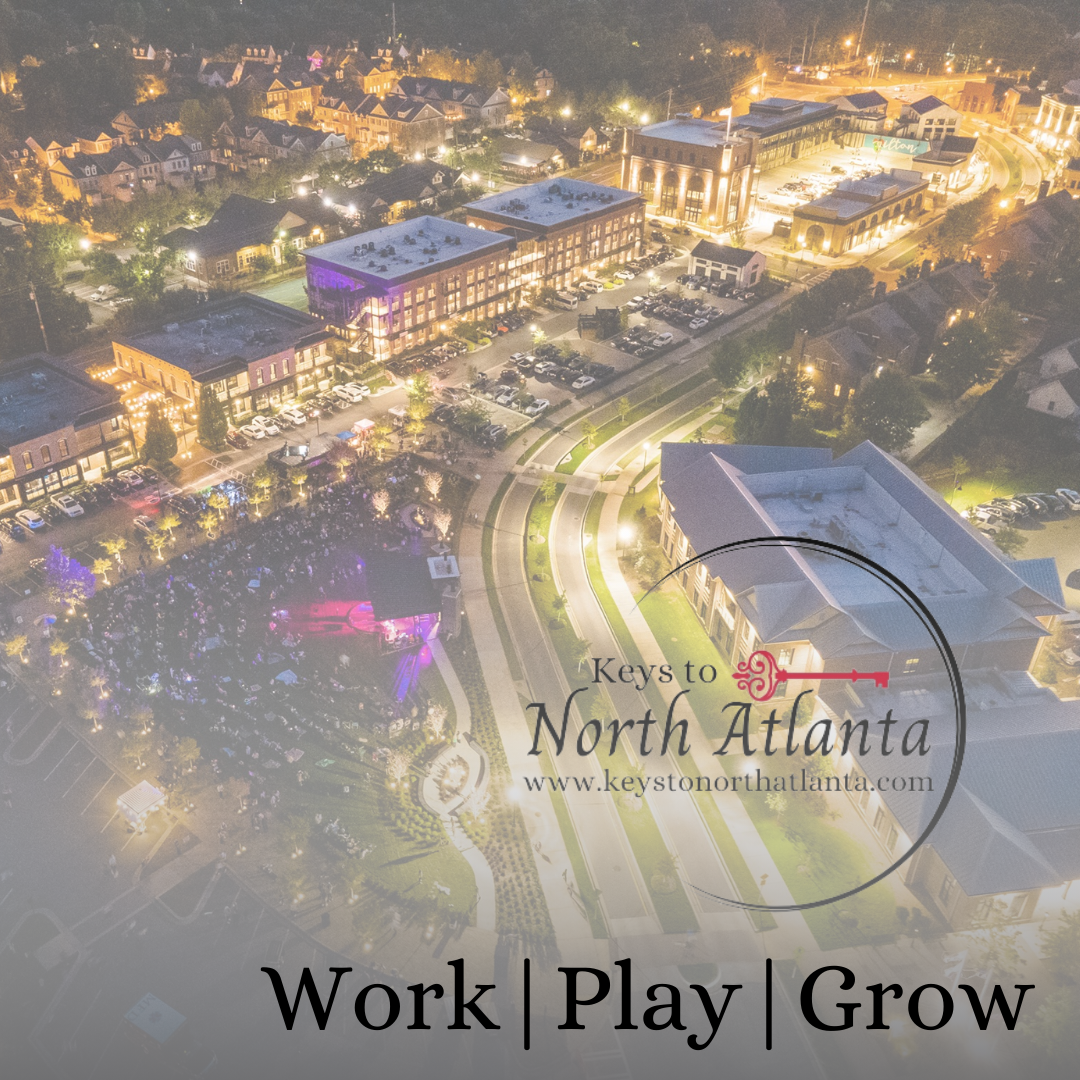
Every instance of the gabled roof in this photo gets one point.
(927, 104)
(722, 253)
(870, 99)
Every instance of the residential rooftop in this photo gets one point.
(551, 202)
(406, 248)
(38, 398)
(234, 332)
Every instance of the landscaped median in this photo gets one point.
(669, 899)
(816, 859)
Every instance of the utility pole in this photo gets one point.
(393, 23)
(40, 321)
(671, 90)
(862, 30)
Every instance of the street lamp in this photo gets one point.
(644, 454)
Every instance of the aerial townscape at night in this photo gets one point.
(539, 539)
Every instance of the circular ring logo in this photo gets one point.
(760, 675)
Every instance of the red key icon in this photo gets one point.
(759, 675)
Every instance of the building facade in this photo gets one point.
(736, 266)
(858, 212)
(563, 229)
(254, 354)
(786, 129)
(57, 429)
(394, 288)
(691, 170)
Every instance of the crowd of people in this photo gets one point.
(199, 642)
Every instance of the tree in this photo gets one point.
(208, 520)
(887, 410)
(588, 433)
(67, 582)
(160, 443)
(433, 482)
(15, 645)
(473, 417)
(420, 394)
(549, 488)
(728, 362)
(169, 521)
(580, 651)
(962, 225)
(443, 520)
(136, 745)
(766, 416)
(100, 568)
(213, 421)
(379, 438)
(397, 765)
(156, 541)
(435, 721)
(965, 358)
(339, 455)
(623, 408)
(380, 502)
(1010, 541)
(187, 754)
(263, 480)
(114, 548)
(1061, 947)
(219, 501)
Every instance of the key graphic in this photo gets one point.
(759, 675)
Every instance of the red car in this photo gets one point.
(236, 440)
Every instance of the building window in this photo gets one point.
(879, 819)
(62, 446)
(273, 372)
(669, 195)
(890, 842)
(836, 390)
(945, 893)
(27, 460)
(46, 455)
(258, 376)
(911, 665)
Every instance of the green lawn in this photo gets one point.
(817, 859)
(737, 869)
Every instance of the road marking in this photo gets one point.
(109, 822)
(94, 799)
(78, 778)
(6, 895)
(288, 930)
(61, 761)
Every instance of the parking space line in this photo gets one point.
(61, 761)
(288, 930)
(94, 799)
(134, 833)
(79, 777)
(6, 895)
(109, 822)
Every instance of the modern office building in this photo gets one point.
(255, 355)
(57, 429)
(693, 171)
(396, 287)
(563, 229)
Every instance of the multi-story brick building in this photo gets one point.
(563, 228)
(393, 288)
(255, 354)
(57, 429)
(691, 170)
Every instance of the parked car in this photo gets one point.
(537, 407)
(506, 397)
(12, 528)
(663, 339)
(1035, 505)
(30, 518)
(253, 432)
(144, 525)
(1069, 497)
(236, 440)
(131, 478)
(583, 383)
(348, 394)
(591, 285)
(1071, 657)
(327, 404)
(67, 505)
(1053, 503)
(698, 324)
(294, 415)
(360, 388)
(265, 425)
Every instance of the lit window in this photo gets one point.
(27, 460)
(62, 446)
(46, 455)
(836, 390)
(911, 664)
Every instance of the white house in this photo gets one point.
(929, 118)
(718, 262)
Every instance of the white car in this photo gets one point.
(537, 407)
(360, 388)
(625, 275)
(505, 397)
(698, 324)
(31, 519)
(253, 432)
(67, 505)
(583, 383)
(345, 392)
(268, 426)
(590, 285)
(131, 478)
(1069, 497)
(294, 416)
(662, 339)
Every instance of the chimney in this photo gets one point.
(798, 349)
